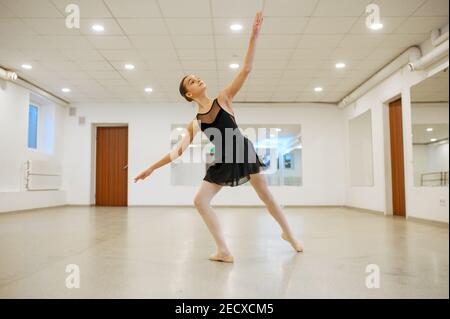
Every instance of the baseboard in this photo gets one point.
(27, 200)
(31, 209)
(79, 205)
(428, 221)
(365, 210)
(317, 206)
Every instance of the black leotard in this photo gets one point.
(235, 156)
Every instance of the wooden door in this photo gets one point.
(111, 186)
(397, 159)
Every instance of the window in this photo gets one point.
(278, 145)
(429, 119)
(33, 112)
(41, 125)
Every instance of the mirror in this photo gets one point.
(360, 150)
(278, 146)
(429, 118)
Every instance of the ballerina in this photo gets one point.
(218, 114)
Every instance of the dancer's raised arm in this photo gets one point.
(233, 88)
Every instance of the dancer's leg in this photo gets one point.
(259, 183)
(202, 202)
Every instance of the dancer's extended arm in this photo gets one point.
(177, 151)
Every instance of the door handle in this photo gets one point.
(125, 167)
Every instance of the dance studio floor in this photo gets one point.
(152, 252)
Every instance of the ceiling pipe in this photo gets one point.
(44, 93)
(439, 39)
(409, 55)
(437, 53)
(439, 35)
(12, 76)
(8, 75)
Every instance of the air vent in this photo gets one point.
(72, 111)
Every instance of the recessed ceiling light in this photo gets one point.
(318, 89)
(179, 128)
(340, 65)
(376, 26)
(27, 66)
(66, 90)
(234, 65)
(98, 28)
(129, 66)
(433, 139)
(278, 129)
(236, 27)
(430, 129)
(148, 90)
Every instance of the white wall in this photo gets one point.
(421, 202)
(14, 101)
(149, 132)
(360, 150)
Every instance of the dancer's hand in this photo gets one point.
(257, 22)
(144, 174)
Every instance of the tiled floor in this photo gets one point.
(150, 252)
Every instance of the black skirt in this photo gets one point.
(235, 173)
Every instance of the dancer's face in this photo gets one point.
(194, 86)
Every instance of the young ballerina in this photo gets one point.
(218, 114)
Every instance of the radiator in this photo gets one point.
(42, 175)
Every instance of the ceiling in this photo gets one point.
(422, 136)
(432, 89)
(299, 45)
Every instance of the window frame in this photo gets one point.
(38, 107)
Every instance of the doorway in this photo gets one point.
(111, 166)
(397, 170)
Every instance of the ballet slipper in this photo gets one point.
(295, 244)
(217, 257)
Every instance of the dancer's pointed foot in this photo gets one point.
(294, 243)
(221, 257)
